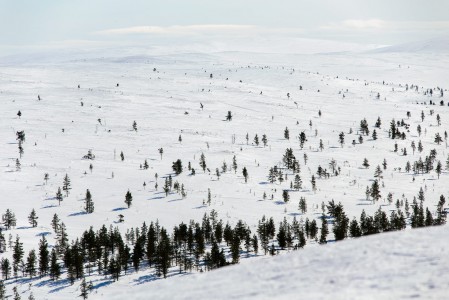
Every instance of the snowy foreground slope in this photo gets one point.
(91, 103)
(404, 265)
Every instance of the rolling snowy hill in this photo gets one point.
(436, 45)
(405, 265)
(70, 105)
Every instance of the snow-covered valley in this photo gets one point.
(155, 109)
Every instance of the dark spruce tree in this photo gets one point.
(375, 191)
(245, 174)
(30, 266)
(229, 116)
(286, 133)
(324, 230)
(66, 186)
(59, 196)
(285, 196)
(163, 254)
(55, 268)
(2, 290)
(9, 219)
(302, 139)
(32, 218)
(128, 199)
(5, 266)
(354, 229)
(203, 162)
(313, 229)
(17, 255)
(88, 203)
(177, 166)
(44, 258)
(341, 138)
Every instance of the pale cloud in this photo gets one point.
(355, 25)
(365, 24)
(383, 25)
(177, 29)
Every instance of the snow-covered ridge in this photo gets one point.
(185, 48)
(400, 265)
(435, 45)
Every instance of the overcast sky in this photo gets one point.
(27, 24)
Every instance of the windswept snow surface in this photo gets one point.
(165, 103)
(435, 46)
(401, 265)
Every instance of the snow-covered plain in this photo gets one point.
(166, 103)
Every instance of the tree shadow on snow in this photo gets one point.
(102, 284)
(145, 278)
(119, 208)
(59, 288)
(199, 207)
(49, 206)
(20, 281)
(175, 200)
(57, 285)
(77, 214)
(44, 233)
(24, 227)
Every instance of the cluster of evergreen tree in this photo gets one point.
(341, 221)
(322, 172)
(291, 163)
(9, 219)
(394, 132)
(421, 218)
(364, 127)
(201, 246)
(426, 165)
(289, 160)
(275, 174)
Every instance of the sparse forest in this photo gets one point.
(188, 168)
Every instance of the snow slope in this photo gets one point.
(401, 265)
(435, 45)
(165, 103)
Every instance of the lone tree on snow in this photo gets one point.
(245, 174)
(229, 116)
(128, 199)
(177, 167)
(89, 204)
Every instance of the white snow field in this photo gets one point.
(401, 265)
(162, 94)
